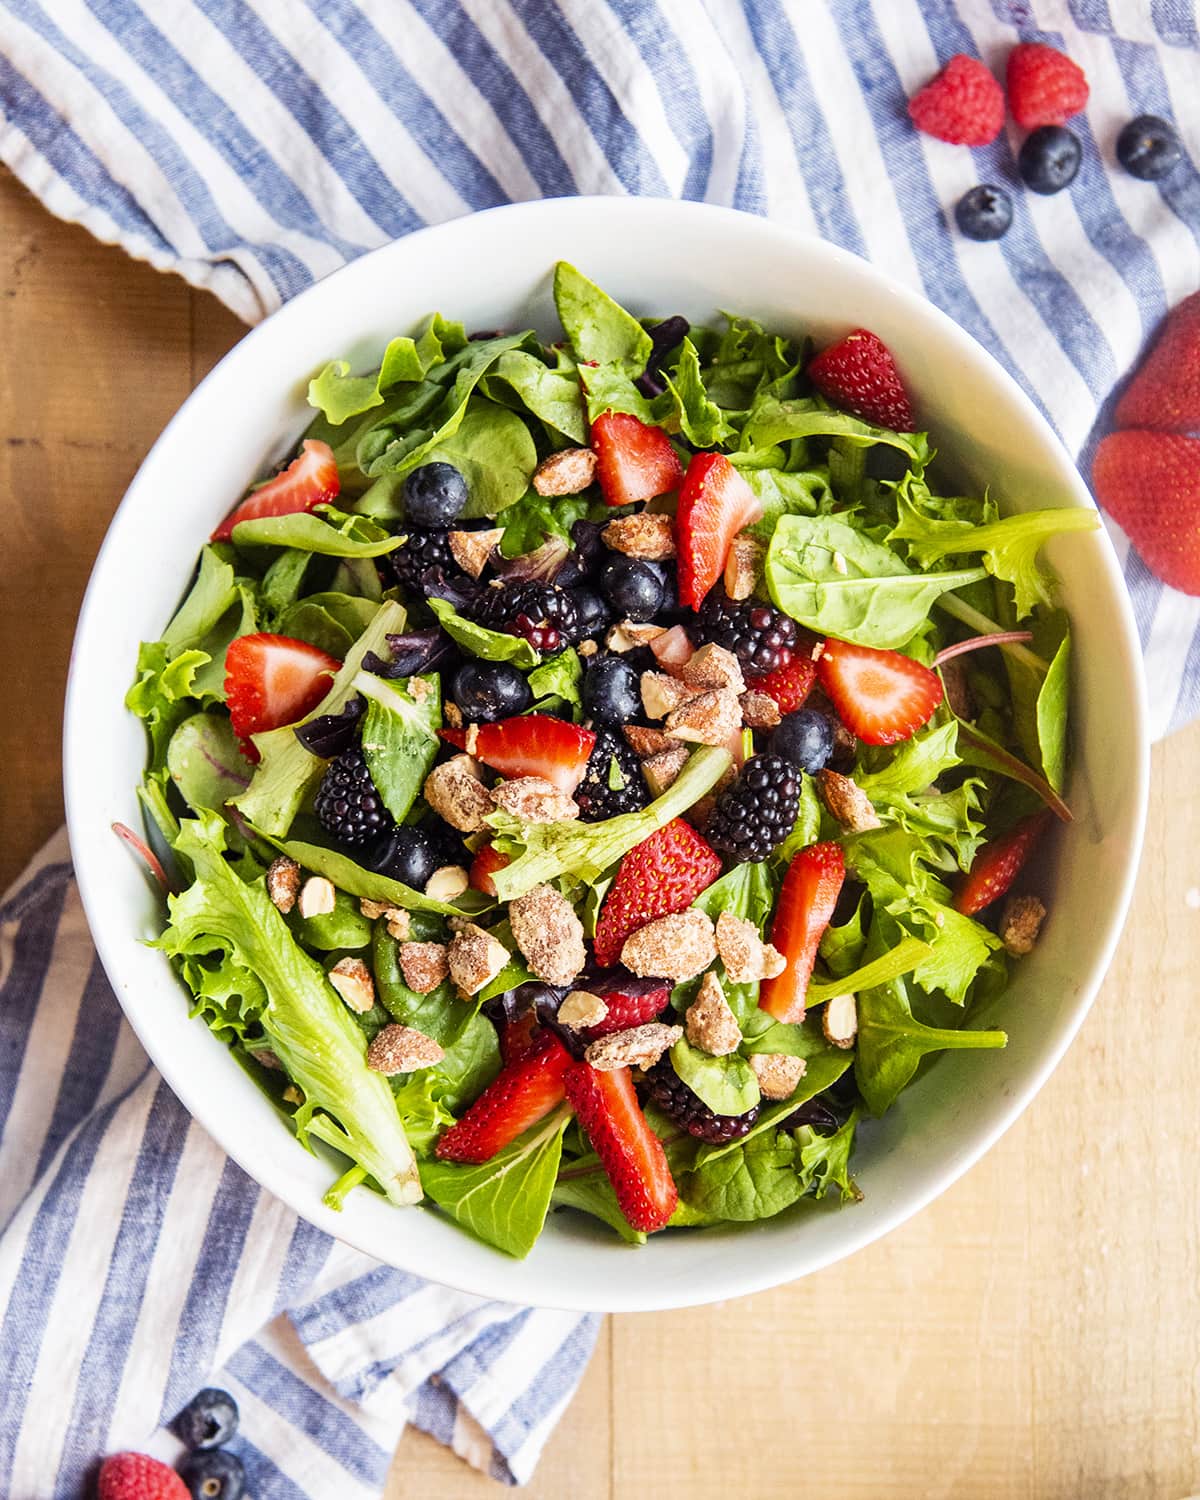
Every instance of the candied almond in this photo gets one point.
(317, 897)
(581, 1009)
(472, 550)
(447, 882)
(283, 883)
(646, 742)
(535, 800)
(662, 694)
(846, 801)
(548, 934)
(778, 1075)
(743, 566)
(709, 719)
(712, 669)
(475, 958)
(676, 947)
(424, 965)
(402, 1049)
(399, 924)
(646, 536)
(353, 982)
(662, 770)
(639, 1047)
(1020, 924)
(759, 710)
(710, 1021)
(566, 473)
(628, 635)
(455, 792)
(745, 956)
(839, 1021)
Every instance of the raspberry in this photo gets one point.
(347, 803)
(1044, 86)
(136, 1476)
(754, 815)
(544, 615)
(688, 1110)
(596, 795)
(761, 637)
(963, 105)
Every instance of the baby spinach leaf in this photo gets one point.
(553, 395)
(747, 891)
(350, 876)
(807, 829)
(334, 533)
(206, 762)
(843, 943)
(331, 621)
(494, 451)
(727, 1085)
(823, 1161)
(343, 927)
(891, 1044)
(559, 676)
(782, 493)
(756, 1181)
(283, 581)
(533, 520)
(439, 1014)
(589, 1190)
(774, 421)
(834, 579)
(701, 420)
(470, 1064)
(598, 328)
(505, 1200)
(610, 387)
(399, 735)
(478, 640)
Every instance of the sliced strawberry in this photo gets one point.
(272, 680)
(517, 1037)
(633, 462)
(859, 374)
(630, 1001)
(673, 649)
(525, 1090)
(308, 481)
(663, 874)
(1165, 393)
(1149, 483)
(629, 1151)
(802, 913)
(487, 861)
(531, 745)
(715, 503)
(789, 684)
(880, 696)
(999, 862)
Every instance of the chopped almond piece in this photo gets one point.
(759, 710)
(1021, 923)
(424, 965)
(644, 535)
(447, 882)
(847, 802)
(402, 1049)
(548, 934)
(535, 800)
(283, 883)
(473, 550)
(709, 719)
(475, 958)
(582, 1009)
(743, 566)
(745, 956)
(566, 473)
(839, 1021)
(712, 669)
(662, 770)
(317, 897)
(455, 792)
(639, 1047)
(711, 1023)
(628, 635)
(646, 742)
(676, 947)
(778, 1075)
(662, 694)
(353, 982)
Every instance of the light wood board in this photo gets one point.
(1035, 1333)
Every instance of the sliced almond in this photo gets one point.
(473, 550)
(839, 1021)
(352, 980)
(447, 882)
(317, 897)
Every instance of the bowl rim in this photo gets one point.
(492, 1274)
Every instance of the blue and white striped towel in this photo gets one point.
(253, 146)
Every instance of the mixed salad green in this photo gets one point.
(433, 748)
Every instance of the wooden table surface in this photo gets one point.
(1036, 1332)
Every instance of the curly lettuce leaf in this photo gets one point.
(552, 394)
(338, 395)
(824, 1161)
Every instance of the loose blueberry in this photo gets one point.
(209, 1419)
(984, 213)
(434, 496)
(213, 1475)
(805, 738)
(489, 690)
(1149, 148)
(1049, 159)
(405, 855)
(633, 588)
(591, 612)
(611, 693)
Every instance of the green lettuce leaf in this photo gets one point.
(331, 533)
(598, 328)
(916, 763)
(585, 1186)
(494, 451)
(824, 1161)
(774, 421)
(478, 640)
(552, 394)
(728, 1085)
(559, 677)
(206, 763)
(338, 395)
(399, 736)
(331, 621)
(350, 876)
(701, 420)
(164, 693)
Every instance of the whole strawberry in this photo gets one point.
(963, 105)
(1165, 392)
(1044, 86)
(859, 374)
(1149, 482)
(137, 1476)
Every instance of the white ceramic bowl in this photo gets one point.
(493, 270)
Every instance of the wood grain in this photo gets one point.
(1035, 1333)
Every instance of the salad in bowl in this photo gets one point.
(596, 777)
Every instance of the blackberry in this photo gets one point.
(689, 1111)
(597, 797)
(421, 550)
(754, 815)
(760, 636)
(348, 805)
(543, 614)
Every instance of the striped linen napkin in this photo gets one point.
(138, 1263)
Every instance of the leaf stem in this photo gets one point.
(978, 642)
(981, 625)
(148, 856)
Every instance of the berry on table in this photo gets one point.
(405, 854)
(666, 1089)
(984, 212)
(963, 105)
(1049, 159)
(489, 690)
(612, 782)
(213, 1474)
(1149, 148)
(347, 804)
(760, 636)
(634, 588)
(754, 815)
(610, 691)
(208, 1420)
(806, 738)
(859, 374)
(435, 495)
(137, 1476)
(1044, 86)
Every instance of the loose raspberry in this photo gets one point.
(136, 1476)
(1044, 86)
(963, 105)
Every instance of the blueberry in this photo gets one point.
(633, 588)
(805, 738)
(1149, 148)
(611, 692)
(406, 855)
(489, 690)
(591, 612)
(984, 213)
(1049, 159)
(434, 496)
(209, 1419)
(213, 1475)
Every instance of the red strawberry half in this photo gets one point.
(272, 680)
(1044, 86)
(525, 1091)
(517, 1037)
(1149, 483)
(633, 462)
(137, 1476)
(1164, 395)
(963, 105)
(998, 863)
(790, 684)
(880, 696)
(531, 745)
(715, 503)
(628, 1149)
(663, 874)
(308, 481)
(859, 374)
(631, 1001)
(487, 861)
(806, 902)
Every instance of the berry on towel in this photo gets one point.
(1148, 148)
(1044, 86)
(963, 105)
(1164, 395)
(859, 374)
(214, 1475)
(1149, 483)
(1049, 159)
(209, 1419)
(984, 212)
(136, 1476)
